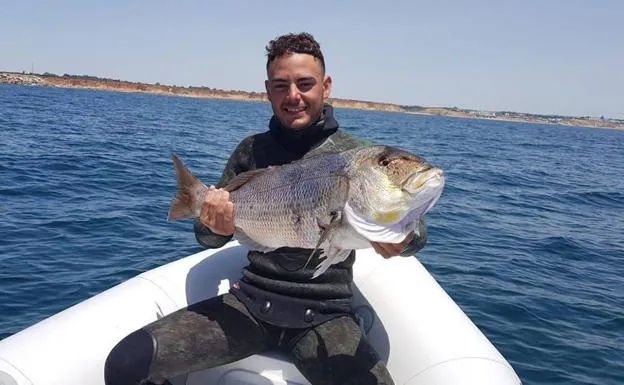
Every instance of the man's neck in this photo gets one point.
(300, 141)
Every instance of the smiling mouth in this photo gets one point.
(294, 110)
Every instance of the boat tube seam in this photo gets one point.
(161, 289)
(16, 369)
(508, 366)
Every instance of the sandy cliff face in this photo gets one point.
(364, 105)
(123, 86)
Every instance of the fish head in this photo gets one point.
(392, 184)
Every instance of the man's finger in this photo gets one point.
(228, 212)
(380, 249)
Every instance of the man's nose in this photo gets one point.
(293, 92)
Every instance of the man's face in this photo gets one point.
(297, 90)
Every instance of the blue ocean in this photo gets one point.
(528, 237)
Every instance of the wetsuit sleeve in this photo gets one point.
(207, 238)
(418, 242)
(237, 163)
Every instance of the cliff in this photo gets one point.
(91, 82)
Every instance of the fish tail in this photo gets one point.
(188, 198)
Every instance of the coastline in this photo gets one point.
(94, 83)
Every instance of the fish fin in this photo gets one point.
(251, 244)
(326, 231)
(188, 184)
(332, 256)
(338, 201)
(243, 178)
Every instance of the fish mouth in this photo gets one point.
(432, 178)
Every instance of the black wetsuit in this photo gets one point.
(275, 304)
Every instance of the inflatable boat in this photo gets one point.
(418, 330)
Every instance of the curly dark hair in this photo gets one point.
(294, 43)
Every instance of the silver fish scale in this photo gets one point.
(283, 209)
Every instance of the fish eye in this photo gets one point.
(384, 161)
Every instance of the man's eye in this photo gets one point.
(280, 88)
(305, 86)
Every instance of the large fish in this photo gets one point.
(331, 203)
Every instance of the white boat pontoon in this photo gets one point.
(421, 333)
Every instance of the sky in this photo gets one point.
(561, 57)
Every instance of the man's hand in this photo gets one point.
(217, 212)
(389, 250)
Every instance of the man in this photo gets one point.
(276, 304)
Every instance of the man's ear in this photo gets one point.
(327, 85)
(266, 86)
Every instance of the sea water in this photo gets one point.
(528, 236)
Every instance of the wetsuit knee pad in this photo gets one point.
(130, 360)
